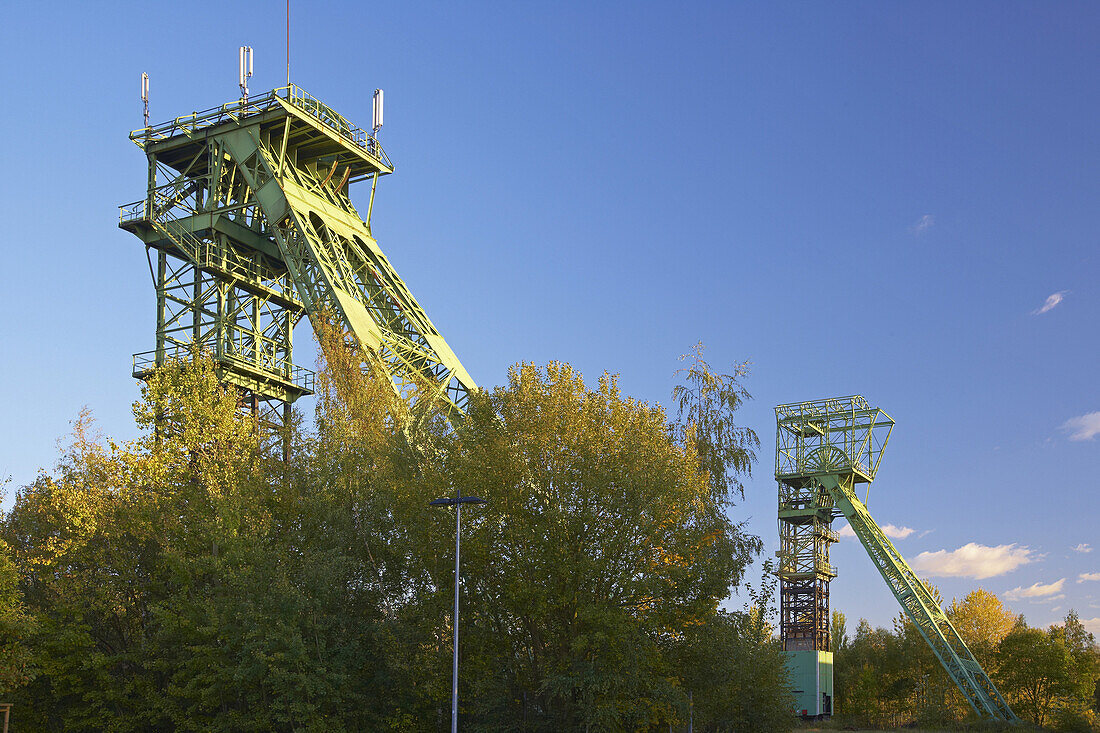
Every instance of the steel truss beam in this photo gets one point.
(921, 608)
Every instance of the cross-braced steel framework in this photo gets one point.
(824, 448)
(805, 516)
(247, 209)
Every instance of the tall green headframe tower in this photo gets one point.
(248, 212)
(823, 450)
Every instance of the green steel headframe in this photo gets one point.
(247, 207)
(823, 449)
(822, 435)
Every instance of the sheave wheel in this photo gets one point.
(827, 459)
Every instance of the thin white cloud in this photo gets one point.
(1084, 427)
(1051, 599)
(897, 533)
(973, 561)
(1051, 303)
(1087, 576)
(1083, 547)
(924, 223)
(1037, 590)
(891, 531)
(1092, 624)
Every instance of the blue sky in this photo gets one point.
(873, 198)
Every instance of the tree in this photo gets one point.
(862, 675)
(706, 403)
(83, 540)
(838, 632)
(604, 543)
(1079, 640)
(982, 621)
(1034, 670)
(1074, 711)
(172, 579)
(18, 664)
(738, 675)
(931, 697)
(188, 580)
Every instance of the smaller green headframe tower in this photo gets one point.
(814, 439)
(823, 449)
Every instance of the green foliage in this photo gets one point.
(602, 542)
(983, 622)
(1034, 671)
(706, 403)
(891, 679)
(737, 667)
(17, 659)
(189, 581)
(838, 632)
(1074, 707)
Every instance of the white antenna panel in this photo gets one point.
(378, 100)
(145, 96)
(245, 69)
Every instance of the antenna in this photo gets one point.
(288, 47)
(245, 70)
(145, 95)
(377, 110)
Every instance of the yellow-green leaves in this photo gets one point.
(603, 542)
(17, 659)
(189, 580)
(706, 402)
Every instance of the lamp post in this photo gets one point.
(457, 502)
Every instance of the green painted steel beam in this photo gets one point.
(921, 608)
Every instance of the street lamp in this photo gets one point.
(457, 502)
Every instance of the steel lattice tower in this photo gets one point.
(824, 449)
(247, 207)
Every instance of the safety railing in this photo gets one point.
(805, 570)
(137, 211)
(268, 364)
(301, 98)
(215, 256)
(169, 199)
(242, 108)
(829, 405)
(304, 100)
(213, 116)
(790, 466)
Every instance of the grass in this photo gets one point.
(976, 727)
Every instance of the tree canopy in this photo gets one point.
(892, 679)
(192, 580)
